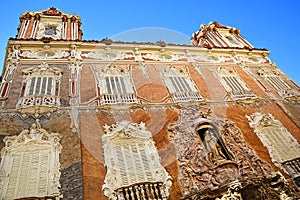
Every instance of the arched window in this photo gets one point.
(282, 146)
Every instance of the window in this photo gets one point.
(282, 146)
(180, 85)
(30, 164)
(115, 86)
(40, 87)
(133, 168)
(233, 84)
(275, 79)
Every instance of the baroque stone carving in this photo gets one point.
(31, 144)
(44, 30)
(108, 54)
(252, 59)
(44, 54)
(132, 162)
(196, 171)
(163, 55)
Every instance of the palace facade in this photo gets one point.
(100, 119)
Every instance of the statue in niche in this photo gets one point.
(216, 151)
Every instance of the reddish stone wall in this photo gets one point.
(251, 84)
(87, 84)
(151, 88)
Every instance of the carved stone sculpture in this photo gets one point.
(196, 172)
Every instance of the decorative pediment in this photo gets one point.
(174, 71)
(222, 71)
(258, 120)
(52, 12)
(112, 70)
(41, 70)
(34, 137)
(267, 72)
(125, 132)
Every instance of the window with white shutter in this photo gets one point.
(233, 84)
(132, 161)
(40, 87)
(283, 148)
(115, 86)
(30, 165)
(180, 85)
(275, 78)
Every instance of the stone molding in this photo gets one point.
(35, 142)
(125, 146)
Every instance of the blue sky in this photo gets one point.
(274, 25)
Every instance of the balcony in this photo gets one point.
(142, 191)
(44, 103)
(117, 99)
(186, 96)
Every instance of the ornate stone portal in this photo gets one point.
(30, 164)
(212, 165)
(132, 162)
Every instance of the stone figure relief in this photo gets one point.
(206, 160)
(214, 150)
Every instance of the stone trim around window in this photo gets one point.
(115, 86)
(41, 87)
(132, 163)
(30, 164)
(180, 85)
(283, 148)
(233, 84)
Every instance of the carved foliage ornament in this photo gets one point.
(31, 159)
(196, 171)
(44, 54)
(42, 70)
(131, 159)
